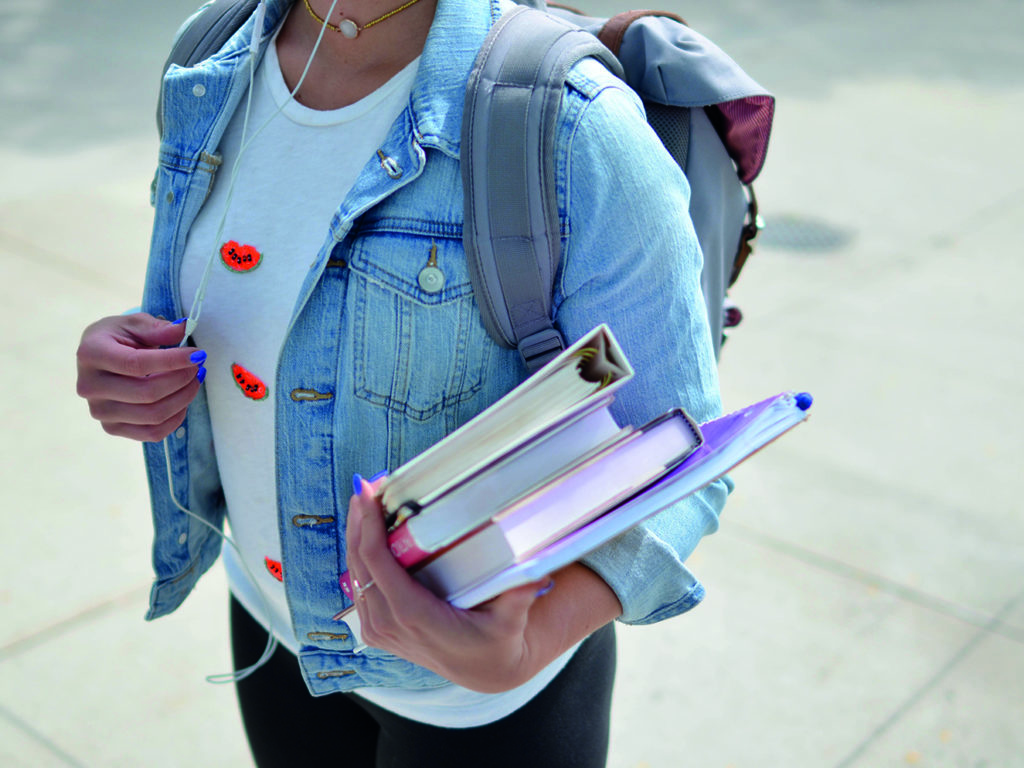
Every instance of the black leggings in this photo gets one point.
(563, 726)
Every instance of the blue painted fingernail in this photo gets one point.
(357, 483)
(378, 476)
(179, 322)
(201, 374)
(546, 588)
(198, 357)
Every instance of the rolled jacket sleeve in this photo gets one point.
(631, 260)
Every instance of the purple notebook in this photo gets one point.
(728, 441)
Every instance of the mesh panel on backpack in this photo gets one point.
(672, 124)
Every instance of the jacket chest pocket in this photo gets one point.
(419, 344)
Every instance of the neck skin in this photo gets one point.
(346, 70)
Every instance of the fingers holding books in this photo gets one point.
(484, 649)
(373, 569)
(386, 597)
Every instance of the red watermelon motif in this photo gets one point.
(240, 258)
(275, 568)
(248, 382)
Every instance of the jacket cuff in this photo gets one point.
(646, 572)
(642, 571)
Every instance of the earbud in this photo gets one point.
(257, 28)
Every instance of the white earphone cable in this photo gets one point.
(200, 295)
(197, 302)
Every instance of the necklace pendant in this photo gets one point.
(348, 28)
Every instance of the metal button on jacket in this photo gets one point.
(431, 278)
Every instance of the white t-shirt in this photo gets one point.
(295, 172)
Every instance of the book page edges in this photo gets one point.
(496, 544)
(422, 532)
(658, 497)
(392, 494)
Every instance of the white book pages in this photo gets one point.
(728, 441)
(570, 500)
(597, 485)
(474, 501)
(591, 368)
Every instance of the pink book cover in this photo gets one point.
(403, 546)
(346, 585)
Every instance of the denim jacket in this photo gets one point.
(375, 369)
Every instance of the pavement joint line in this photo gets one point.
(905, 252)
(963, 613)
(20, 725)
(897, 360)
(979, 218)
(51, 632)
(796, 451)
(41, 257)
(915, 697)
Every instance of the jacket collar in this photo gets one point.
(439, 91)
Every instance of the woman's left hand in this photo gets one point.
(486, 649)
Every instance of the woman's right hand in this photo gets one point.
(135, 388)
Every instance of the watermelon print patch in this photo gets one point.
(275, 568)
(248, 382)
(238, 257)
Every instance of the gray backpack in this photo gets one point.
(711, 116)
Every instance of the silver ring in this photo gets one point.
(360, 589)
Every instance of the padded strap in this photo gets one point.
(614, 29)
(511, 233)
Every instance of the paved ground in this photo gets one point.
(866, 590)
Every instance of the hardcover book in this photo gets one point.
(546, 475)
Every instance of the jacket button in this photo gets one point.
(183, 539)
(314, 636)
(199, 90)
(179, 433)
(335, 673)
(301, 395)
(431, 279)
(390, 165)
(307, 521)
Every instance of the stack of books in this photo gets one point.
(546, 475)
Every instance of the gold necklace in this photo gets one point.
(348, 28)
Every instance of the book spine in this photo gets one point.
(476, 557)
(405, 550)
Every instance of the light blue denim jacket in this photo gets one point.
(398, 368)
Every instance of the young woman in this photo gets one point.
(320, 354)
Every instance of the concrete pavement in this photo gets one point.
(866, 590)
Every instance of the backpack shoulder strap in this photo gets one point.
(203, 35)
(511, 232)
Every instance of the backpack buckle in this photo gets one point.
(538, 349)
